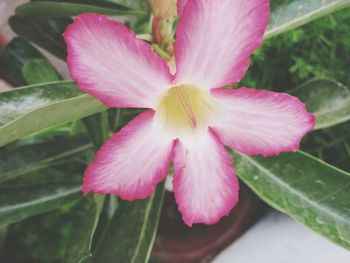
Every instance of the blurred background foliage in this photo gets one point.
(320, 49)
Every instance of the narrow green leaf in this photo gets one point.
(328, 100)
(78, 248)
(289, 14)
(306, 188)
(23, 159)
(29, 109)
(131, 233)
(20, 202)
(66, 9)
(36, 71)
(3, 233)
(97, 127)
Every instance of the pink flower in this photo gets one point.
(190, 115)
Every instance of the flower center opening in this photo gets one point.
(186, 107)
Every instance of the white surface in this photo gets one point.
(4, 86)
(7, 9)
(279, 239)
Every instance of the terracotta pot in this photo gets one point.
(176, 242)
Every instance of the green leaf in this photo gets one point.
(331, 145)
(44, 32)
(3, 233)
(328, 100)
(306, 188)
(79, 246)
(22, 64)
(131, 233)
(69, 8)
(97, 127)
(30, 109)
(36, 71)
(20, 202)
(289, 14)
(13, 58)
(23, 159)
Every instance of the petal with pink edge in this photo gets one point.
(181, 6)
(260, 122)
(107, 61)
(132, 162)
(205, 184)
(215, 39)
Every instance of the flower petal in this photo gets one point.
(215, 39)
(181, 6)
(259, 121)
(205, 184)
(108, 62)
(132, 162)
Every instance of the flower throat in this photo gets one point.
(186, 107)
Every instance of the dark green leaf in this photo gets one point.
(45, 32)
(97, 127)
(331, 145)
(30, 109)
(23, 159)
(328, 100)
(13, 58)
(3, 233)
(73, 8)
(289, 14)
(78, 248)
(20, 202)
(131, 233)
(308, 189)
(36, 71)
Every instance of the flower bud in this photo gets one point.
(163, 24)
(163, 8)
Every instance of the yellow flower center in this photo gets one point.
(186, 107)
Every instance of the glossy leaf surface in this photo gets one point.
(289, 14)
(306, 188)
(33, 108)
(328, 100)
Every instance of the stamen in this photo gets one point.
(186, 103)
(186, 107)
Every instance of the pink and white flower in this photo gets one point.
(190, 115)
